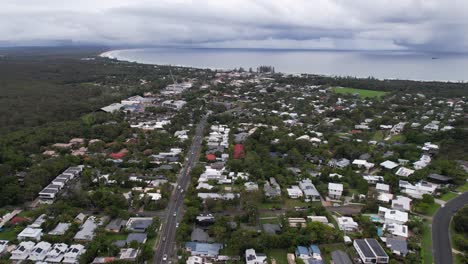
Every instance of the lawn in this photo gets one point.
(280, 255)
(361, 92)
(431, 210)
(10, 233)
(448, 196)
(378, 136)
(426, 244)
(463, 188)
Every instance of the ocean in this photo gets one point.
(378, 64)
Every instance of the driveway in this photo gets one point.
(441, 246)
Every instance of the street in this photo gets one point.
(441, 247)
(166, 243)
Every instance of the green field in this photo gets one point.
(448, 196)
(426, 244)
(361, 92)
(280, 255)
(463, 188)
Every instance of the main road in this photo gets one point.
(165, 247)
(441, 247)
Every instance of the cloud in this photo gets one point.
(321, 24)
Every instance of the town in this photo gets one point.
(240, 166)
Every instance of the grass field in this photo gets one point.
(426, 244)
(362, 93)
(10, 233)
(448, 196)
(463, 188)
(280, 255)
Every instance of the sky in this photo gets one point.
(426, 25)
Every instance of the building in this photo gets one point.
(347, 224)
(3, 246)
(174, 104)
(22, 251)
(308, 253)
(252, 257)
(140, 238)
(398, 246)
(417, 190)
(112, 108)
(404, 172)
(30, 234)
(294, 192)
(402, 203)
(56, 253)
(392, 216)
(86, 232)
(251, 186)
(60, 229)
(128, 254)
(139, 224)
(389, 165)
(370, 251)
(73, 253)
(335, 190)
(310, 192)
(116, 225)
(203, 249)
(396, 229)
(39, 251)
(272, 188)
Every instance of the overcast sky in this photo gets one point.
(435, 25)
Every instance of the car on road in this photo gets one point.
(164, 239)
(165, 257)
(178, 187)
(175, 214)
(177, 225)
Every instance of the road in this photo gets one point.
(441, 246)
(166, 242)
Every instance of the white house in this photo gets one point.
(56, 253)
(310, 192)
(251, 257)
(391, 216)
(73, 254)
(39, 252)
(396, 229)
(402, 203)
(3, 246)
(22, 251)
(404, 172)
(294, 192)
(346, 223)
(30, 234)
(335, 190)
(389, 165)
(419, 189)
(251, 186)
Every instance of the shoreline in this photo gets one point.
(116, 54)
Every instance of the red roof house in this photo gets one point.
(210, 157)
(239, 151)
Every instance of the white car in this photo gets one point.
(165, 257)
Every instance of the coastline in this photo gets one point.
(118, 54)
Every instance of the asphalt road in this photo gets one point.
(441, 247)
(166, 243)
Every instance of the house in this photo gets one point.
(396, 229)
(398, 246)
(80, 218)
(251, 186)
(116, 225)
(392, 216)
(196, 260)
(39, 251)
(271, 228)
(138, 224)
(205, 220)
(22, 251)
(56, 253)
(320, 219)
(294, 192)
(389, 165)
(112, 108)
(381, 187)
(310, 192)
(372, 179)
(370, 251)
(335, 190)
(203, 249)
(73, 254)
(3, 246)
(60, 229)
(128, 254)
(86, 232)
(363, 164)
(340, 257)
(39, 221)
(252, 257)
(308, 253)
(437, 178)
(140, 238)
(347, 224)
(404, 172)
(417, 190)
(239, 151)
(272, 188)
(30, 234)
(218, 196)
(297, 222)
(340, 164)
(402, 203)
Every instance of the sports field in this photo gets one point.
(362, 93)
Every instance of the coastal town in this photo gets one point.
(240, 166)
